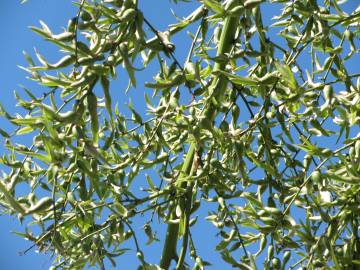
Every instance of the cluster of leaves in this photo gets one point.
(245, 140)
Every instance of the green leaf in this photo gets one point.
(105, 83)
(24, 130)
(332, 253)
(150, 182)
(121, 209)
(287, 75)
(239, 80)
(214, 6)
(4, 133)
(45, 158)
(164, 84)
(27, 121)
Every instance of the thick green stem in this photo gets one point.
(188, 204)
(169, 250)
(216, 89)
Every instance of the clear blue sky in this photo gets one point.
(16, 37)
(15, 19)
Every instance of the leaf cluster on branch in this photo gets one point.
(261, 125)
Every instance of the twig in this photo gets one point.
(76, 32)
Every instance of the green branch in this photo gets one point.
(169, 250)
(217, 88)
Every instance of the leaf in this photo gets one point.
(150, 182)
(287, 75)
(259, 163)
(52, 81)
(24, 130)
(281, 23)
(121, 209)
(10, 199)
(105, 83)
(214, 5)
(40, 32)
(93, 111)
(4, 133)
(63, 62)
(42, 157)
(149, 267)
(226, 256)
(318, 127)
(252, 198)
(222, 245)
(27, 121)
(249, 4)
(239, 80)
(262, 245)
(169, 83)
(332, 253)
(135, 115)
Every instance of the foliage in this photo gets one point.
(261, 124)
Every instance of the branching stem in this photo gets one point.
(216, 89)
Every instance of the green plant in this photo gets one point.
(244, 141)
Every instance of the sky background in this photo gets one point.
(16, 37)
(15, 19)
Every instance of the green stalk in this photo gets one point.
(188, 204)
(169, 250)
(216, 89)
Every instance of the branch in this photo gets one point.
(216, 89)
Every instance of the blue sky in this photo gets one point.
(15, 19)
(16, 37)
